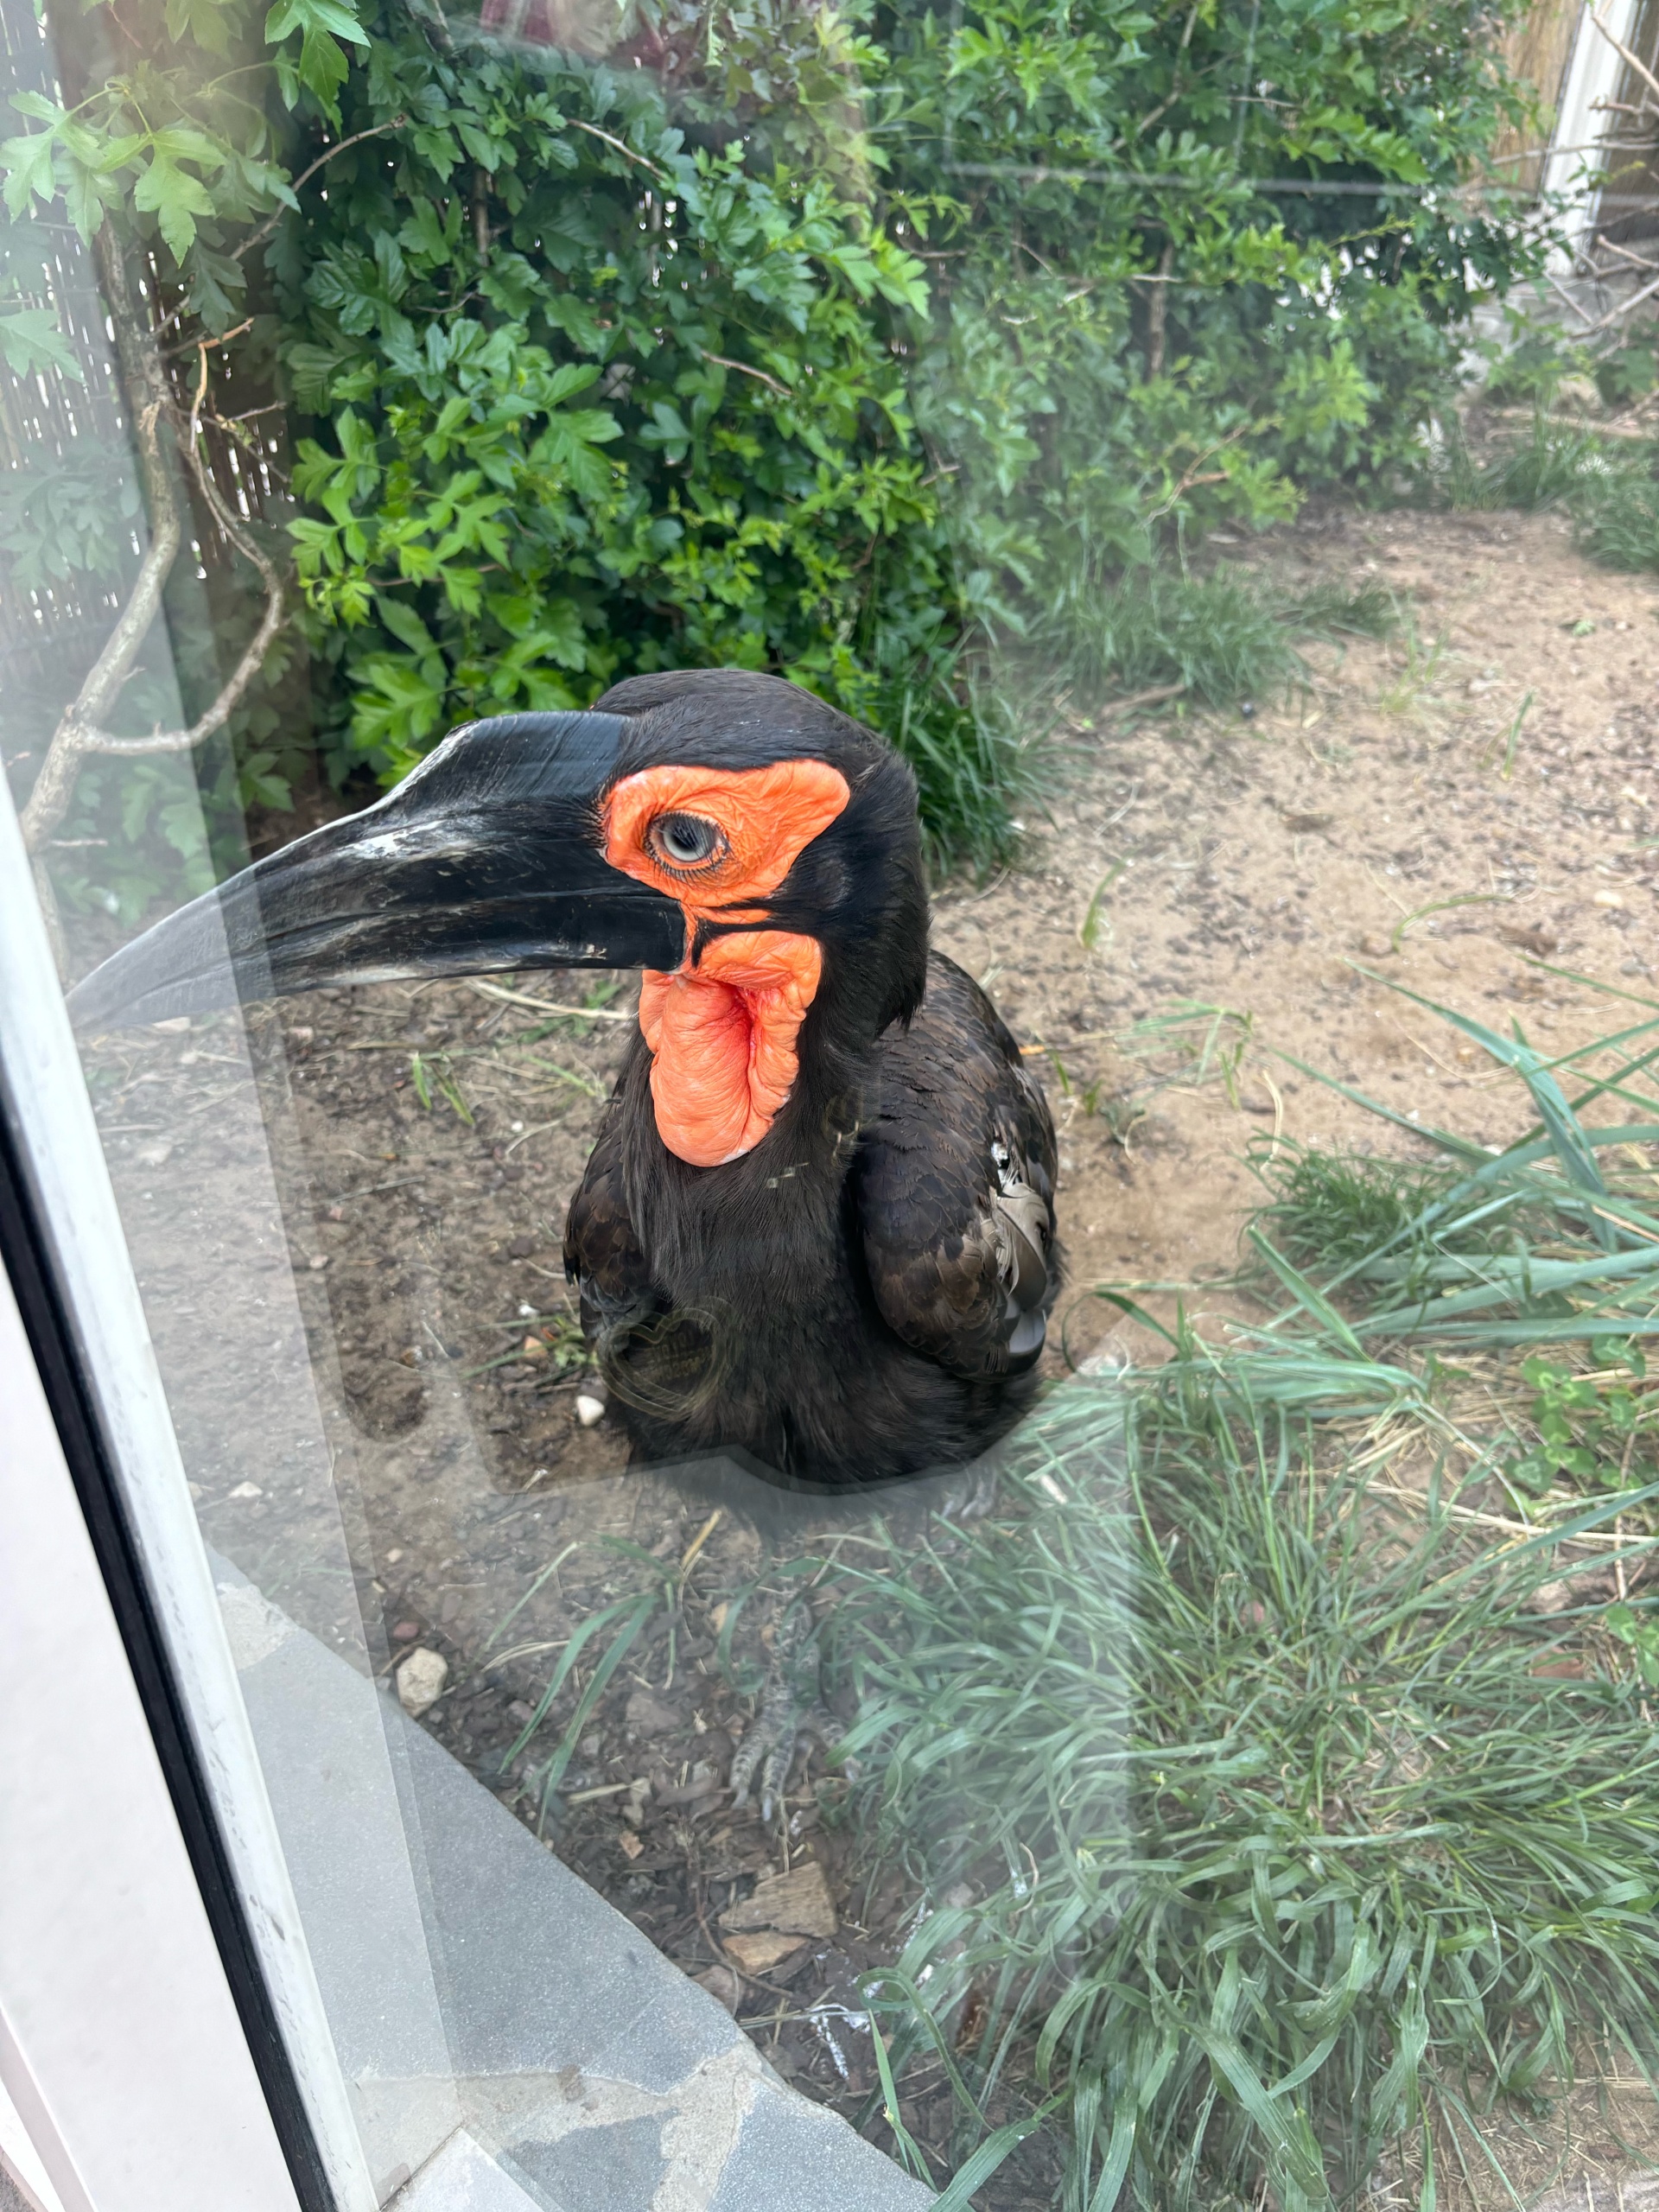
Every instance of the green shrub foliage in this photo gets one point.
(844, 343)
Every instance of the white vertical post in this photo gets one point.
(1592, 75)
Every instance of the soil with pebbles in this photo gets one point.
(348, 1224)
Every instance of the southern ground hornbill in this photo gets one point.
(815, 1229)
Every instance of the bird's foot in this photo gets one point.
(972, 1495)
(791, 1712)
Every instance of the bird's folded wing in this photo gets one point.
(955, 1183)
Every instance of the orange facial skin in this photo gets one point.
(723, 1034)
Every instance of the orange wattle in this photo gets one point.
(723, 1037)
(723, 1033)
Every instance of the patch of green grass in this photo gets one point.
(978, 759)
(1552, 1240)
(1273, 1831)
(1326, 1211)
(1610, 488)
(1222, 637)
(1616, 510)
(1544, 468)
(1340, 610)
(1279, 1851)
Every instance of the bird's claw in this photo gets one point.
(792, 1711)
(972, 1497)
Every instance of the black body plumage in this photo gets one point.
(860, 1297)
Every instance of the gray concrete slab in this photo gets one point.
(510, 2040)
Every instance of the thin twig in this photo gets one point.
(744, 369)
(1624, 51)
(1556, 285)
(258, 237)
(594, 131)
(82, 728)
(1146, 698)
(549, 1006)
(1617, 314)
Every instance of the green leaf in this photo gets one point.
(31, 339)
(205, 23)
(176, 199)
(404, 624)
(30, 169)
(329, 18)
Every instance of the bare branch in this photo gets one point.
(147, 393)
(744, 369)
(1624, 51)
(82, 729)
(594, 131)
(1618, 314)
(258, 237)
(1636, 260)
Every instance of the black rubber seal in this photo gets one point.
(26, 1254)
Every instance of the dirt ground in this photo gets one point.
(1455, 812)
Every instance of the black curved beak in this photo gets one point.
(485, 858)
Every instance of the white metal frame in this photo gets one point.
(64, 1155)
(125, 2080)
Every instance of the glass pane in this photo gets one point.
(1088, 1582)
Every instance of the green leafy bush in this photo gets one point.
(852, 347)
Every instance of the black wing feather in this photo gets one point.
(955, 1185)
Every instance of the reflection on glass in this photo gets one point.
(1182, 1739)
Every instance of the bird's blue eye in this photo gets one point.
(685, 840)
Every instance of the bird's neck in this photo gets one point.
(761, 1236)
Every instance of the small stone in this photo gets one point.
(534, 1348)
(797, 1903)
(318, 1260)
(589, 1411)
(646, 1714)
(1608, 898)
(723, 1986)
(756, 1954)
(393, 1556)
(628, 1844)
(406, 1631)
(520, 1247)
(420, 1678)
(301, 1033)
(153, 1156)
(246, 1490)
